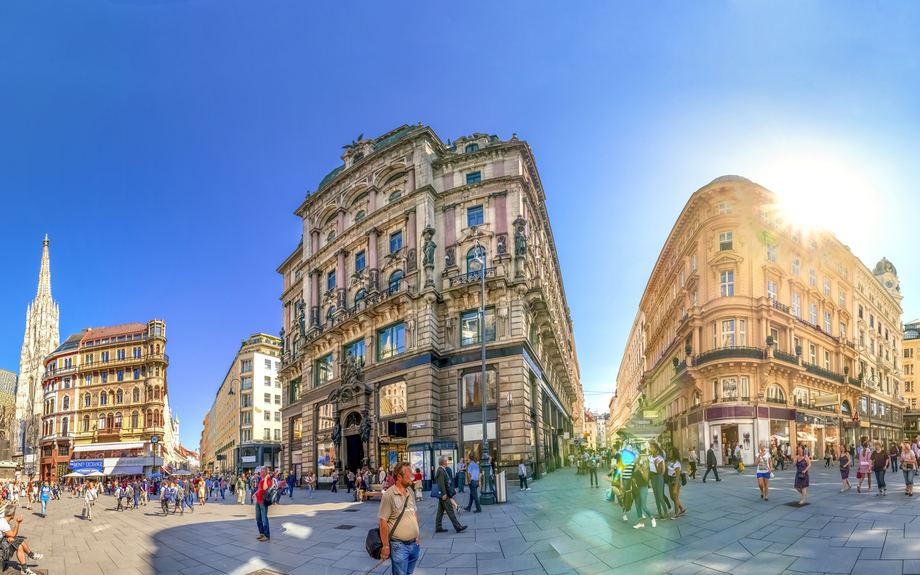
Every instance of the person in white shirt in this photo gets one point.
(522, 475)
(12, 543)
(88, 499)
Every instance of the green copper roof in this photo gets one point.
(402, 132)
(329, 177)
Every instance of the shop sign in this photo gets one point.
(249, 459)
(88, 464)
(419, 425)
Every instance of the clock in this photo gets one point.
(889, 284)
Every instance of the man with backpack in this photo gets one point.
(264, 493)
(592, 471)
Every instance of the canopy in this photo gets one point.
(182, 472)
(75, 475)
(94, 474)
(152, 475)
(124, 469)
(109, 446)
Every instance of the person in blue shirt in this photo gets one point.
(473, 470)
(45, 495)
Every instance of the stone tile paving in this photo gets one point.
(561, 527)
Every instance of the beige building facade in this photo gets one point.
(911, 353)
(748, 317)
(381, 311)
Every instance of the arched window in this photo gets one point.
(395, 278)
(362, 293)
(395, 196)
(845, 407)
(472, 256)
(394, 177)
(119, 397)
(101, 422)
(148, 418)
(329, 219)
(158, 349)
(156, 419)
(696, 398)
(66, 402)
(472, 148)
(360, 216)
(85, 423)
(134, 420)
(156, 393)
(775, 394)
(136, 395)
(103, 398)
(110, 421)
(65, 426)
(360, 197)
(118, 420)
(87, 400)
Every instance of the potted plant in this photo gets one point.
(675, 361)
(846, 370)
(770, 341)
(798, 350)
(687, 349)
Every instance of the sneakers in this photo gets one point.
(638, 525)
(625, 518)
(35, 555)
(653, 522)
(528, 489)
(26, 571)
(261, 537)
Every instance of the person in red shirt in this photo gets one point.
(417, 480)
(265, 483)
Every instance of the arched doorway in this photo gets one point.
(354, 447)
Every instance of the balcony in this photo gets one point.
(728, 353)
(104, 365)
(472, 277)
(59, 372)
(776, 400)
(371, 301)
(821, 372)
(787, 357)
(781, 307)
(854, 381)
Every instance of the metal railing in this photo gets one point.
(787, 357)
(854, 381)
(825, 373)
(781, 307)
(472, 276)
(776, 400)
(728, 353)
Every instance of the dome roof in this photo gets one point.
(731, 179)
(884, 266)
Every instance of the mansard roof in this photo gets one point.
(115, 330)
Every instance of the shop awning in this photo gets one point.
(109, 446)
(123, 470)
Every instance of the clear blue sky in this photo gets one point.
(163, 145)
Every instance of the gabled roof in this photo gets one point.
(115, 330)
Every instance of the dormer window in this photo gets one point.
(472, 148)
(725, 208)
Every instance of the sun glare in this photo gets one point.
(818, 191)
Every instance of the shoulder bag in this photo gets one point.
(373, 543)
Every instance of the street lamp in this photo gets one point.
(478, 263)
(238, 464)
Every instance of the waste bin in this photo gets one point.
(501, 494)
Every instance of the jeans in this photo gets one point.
(908, 475)
(894, 462)
(593, 472)
(309, 491)
(713, 469)
(880, 478)
(474, 496)
(781, 462)
(44, 505)
(335, 488)
(262, 518)
(403, 557)
(461, 481)
(222, 493)
(523, 479)
(136, 499)
(642, 502)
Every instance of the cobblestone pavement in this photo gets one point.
(560, 527)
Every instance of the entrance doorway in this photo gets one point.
(354, 452)
(729, 440)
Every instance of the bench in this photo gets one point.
(366, 495)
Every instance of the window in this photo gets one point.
(330, 280)
(395, 196)
(471, 389)
(267, 415)
(725, 241)
(325, 371)
(395, 278)
(134, 420)
(277, 400)
(812, 353)
(694, 297)
(276, 433)
(476, 253)
(797, 235)
(89, 380)
(330, 236)
(360, 216)
(267, 435)
(246, 400)
(268, 380)
(391, 341)
(246, 418)
(843, 330)
(66, 404)
(827, 286)
(728, 333)
(277, 416)
(871, 320)
(246, 366)
(681, 278)
(87, 400)
(812, 245)
(117, 420)
(775, 394)
(771, 290)
(268, 398)
(246, 384)
(727, 283)
(137, 374)
(359, 297)
(843, 298)
(472, 148)
(795, 265)
(103, 398)
(246, 435)
(119, 397)
(812, 277)
(693, 262)
(359, 261)
(742, 335)
(356, 349)
(796, 305)
(827, 360)
(396, 241)
(771, 253)
(775, 334)
(827, 322)
(730, 388)
(474, 216)
(469, 326)
(725, 208)
(764, 216)
(813, 313)
(268, 364)
(473, 178)
(104, 377)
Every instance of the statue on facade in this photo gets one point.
(337, 432)
(301, 310)
(428, 246)
(365, 427)
(351, 370)
(281, 333)
(520, 238)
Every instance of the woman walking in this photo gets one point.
(639, 479)
(865, 467)
(845, 463)
(908, 468)
(31, 496)
(879, 466)
(674, 471)
(764, 469)
(656, 479)
(802, 465)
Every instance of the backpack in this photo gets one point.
(268, 496)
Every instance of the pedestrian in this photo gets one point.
(359, 487)
(222, 485)
(89, 498)
(908, 468)
(522, 475)
(865, 463)
(12, 543)
(311, 484)
(739, 464)
(693, 460)
(417, 483)
(893, 451)
(253, 486)
(845, 462)
(129, 495)
(180, 497)
(445, 501)
(461, 475)
(30, 495)
(120, 497)
(382, 475)
(592, 471)
(473, 469)
(711, 464)
(291, 478)
(145, 491)
(802, 465)
(350, 478)
(399, 523)
(674, 480)
(639, 479)
(263, 495)
(202, 492)
(45, 496)
(764, 471)
(137, 494)
(278, 483)
(164, 498)
(656, 479)
(240, 489)
(879, 466)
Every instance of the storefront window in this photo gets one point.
(298, 428)
(393, 399)
(471, 392)
(325, 417)
(779, 432)
(325, 452)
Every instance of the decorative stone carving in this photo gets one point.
(502, 241)
(520, 237)
(374, 279)
(428, 246)
(340, 299)
(365, 427)
(451, 256)
(412, 260)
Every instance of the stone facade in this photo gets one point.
(748, 317)
(911, 353)
(41, 338)
(382, 349)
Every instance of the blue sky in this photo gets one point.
(163, 145)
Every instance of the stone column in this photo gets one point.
(410, 183)
(373, 272)
(314, 242)
(340, 278)
(340, 222)
(412, 257)
(371, 200)
(314, 298)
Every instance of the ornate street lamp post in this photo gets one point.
(485, 468)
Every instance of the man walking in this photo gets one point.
(446, 489)
(399, 523)
(263, 495)
(45, 496)
(291, 479)
(592, 471)
(711, 464)
(240, 489)
(473, 470)
(522, 475)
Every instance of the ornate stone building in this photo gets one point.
(104, 403)
(747, 318)
(41, 338)
(911, 353)
(381, 324)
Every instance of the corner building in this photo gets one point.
(748, 317)
(381, 353)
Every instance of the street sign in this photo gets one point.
(822, 400)
(154, 439)
(650, 414)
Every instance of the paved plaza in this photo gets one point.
(560, 527)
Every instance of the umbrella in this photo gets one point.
(95, 474)
(154, 475)
(75, 475)
(182, 472)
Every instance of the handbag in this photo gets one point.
(435, 491)
(800, 475)
(373, 543)
(683, 478)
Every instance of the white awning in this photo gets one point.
(123, 470)
(109, 446)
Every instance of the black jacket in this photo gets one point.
(444, 482)
(711, 457)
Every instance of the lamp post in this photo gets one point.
(485, 468)
(238, 464)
